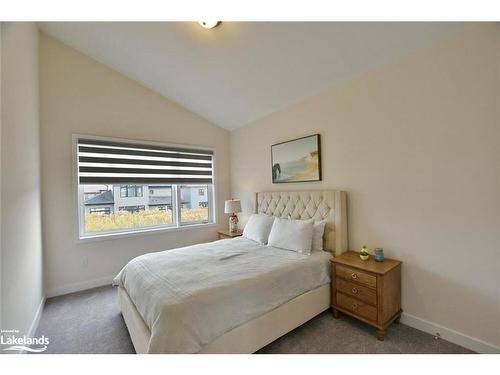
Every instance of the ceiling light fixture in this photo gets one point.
(209, 24)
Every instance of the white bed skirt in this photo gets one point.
(247, 338)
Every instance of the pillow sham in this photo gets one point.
(317, 238)
(258, 228)
(295, 235)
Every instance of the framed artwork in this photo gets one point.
(298, 160)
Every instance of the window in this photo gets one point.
(100, 210)
(130, 191)
(126, 187)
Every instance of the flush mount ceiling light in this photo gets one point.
(209, 24)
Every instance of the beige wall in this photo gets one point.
(21, 242)
(415, 145)
(80, 95)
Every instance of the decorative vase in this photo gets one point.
(379, 254)
(364, 257)
(233, 223)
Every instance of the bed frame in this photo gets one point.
(329, 205)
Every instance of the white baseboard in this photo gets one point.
(77, 287)
(36, 319)
(34, 324)
(450, 335)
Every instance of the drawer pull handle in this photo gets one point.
(354, 306)
(355, 290)
(354, 276)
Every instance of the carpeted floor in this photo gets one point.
(91, 322)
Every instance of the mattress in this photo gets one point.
(190, 296)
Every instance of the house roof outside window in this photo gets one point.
(106, 197)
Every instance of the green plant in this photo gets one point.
(364, 251)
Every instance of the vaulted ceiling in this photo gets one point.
(240, 72)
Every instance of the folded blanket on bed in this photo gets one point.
(190, 296)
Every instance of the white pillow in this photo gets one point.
(318, 232)
(317, 238)
(295, 235)
(258, 228)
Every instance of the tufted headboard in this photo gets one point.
(329, 205)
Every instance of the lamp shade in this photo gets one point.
(232, 206)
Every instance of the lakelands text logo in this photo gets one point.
(23, 343)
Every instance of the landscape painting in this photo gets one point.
(298, 160)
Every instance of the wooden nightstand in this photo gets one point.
(227, 234)
(367, 290)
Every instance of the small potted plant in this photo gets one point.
(363, 254)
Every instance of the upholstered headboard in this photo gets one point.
(329, 205)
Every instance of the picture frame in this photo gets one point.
(296, 160)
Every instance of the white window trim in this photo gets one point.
(79, 210)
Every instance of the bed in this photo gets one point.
(233, 295)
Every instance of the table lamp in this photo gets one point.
(232, 206)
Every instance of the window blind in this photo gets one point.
(106, 162)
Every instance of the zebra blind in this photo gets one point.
(107, 162)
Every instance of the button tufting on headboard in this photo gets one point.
(329, 205)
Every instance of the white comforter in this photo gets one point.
(190, 296)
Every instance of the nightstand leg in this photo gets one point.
(336, 313)
(397, 319)
(381, 334)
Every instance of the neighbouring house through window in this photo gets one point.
(100, 210)
(132, 209)
(130, 191)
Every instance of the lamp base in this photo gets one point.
(233, 223)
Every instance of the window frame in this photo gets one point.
(79, 208)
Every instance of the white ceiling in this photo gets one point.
(240, 72)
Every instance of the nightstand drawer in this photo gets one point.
(355, 275)
(357, 291)
(357, 307)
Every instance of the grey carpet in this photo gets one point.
(91, 322)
